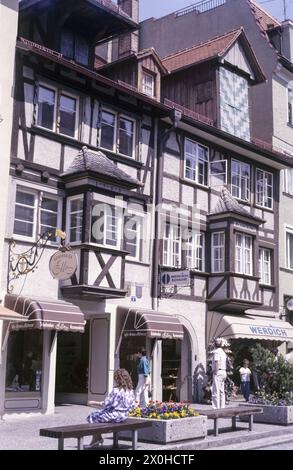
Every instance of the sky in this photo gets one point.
(157, 8)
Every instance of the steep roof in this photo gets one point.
(135, 56)
(215, 48)
(227, 203)
(264, 19)
(97, 162)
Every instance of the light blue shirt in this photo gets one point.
(143, 366)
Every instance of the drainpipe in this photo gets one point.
(162, 138)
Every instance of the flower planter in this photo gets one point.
(172, 430)
(282, 415)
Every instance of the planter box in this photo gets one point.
(173, 430)
(272, 414)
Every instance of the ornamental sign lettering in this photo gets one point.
(63, 264)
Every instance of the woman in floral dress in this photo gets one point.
(116, 407)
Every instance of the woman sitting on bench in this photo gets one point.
(116, 407)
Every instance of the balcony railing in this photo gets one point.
(200, 7)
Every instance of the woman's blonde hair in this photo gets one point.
(123, 379)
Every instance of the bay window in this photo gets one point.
(243, 254)
(196, 158)
(106, 225)
(57, 111)
(117, 133)
(240, 180)
(264, 189)
(36, 213)
(265, 266)
(218, 252)
(75, 219)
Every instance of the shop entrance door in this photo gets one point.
(171, 369)
(72, 367)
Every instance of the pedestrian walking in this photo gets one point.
(245, 374)
(143, 384)
(219, 366)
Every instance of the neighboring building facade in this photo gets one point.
(8, 32)
(96, 149)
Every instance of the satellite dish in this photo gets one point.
(289, 305)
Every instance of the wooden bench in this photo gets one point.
(79, 431)
(231, 412)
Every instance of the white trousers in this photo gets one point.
(218, 390)
(142, 390)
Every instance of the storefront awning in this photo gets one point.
(250, 327)
(141, 322)
(45, 314)
(10, 315)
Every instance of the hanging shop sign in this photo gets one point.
(63, 265)
(175, 278)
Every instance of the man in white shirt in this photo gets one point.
(219, 364)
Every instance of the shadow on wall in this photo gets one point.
(199, 381)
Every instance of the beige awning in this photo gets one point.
(245, 326)
(150, 323)
(10, 315)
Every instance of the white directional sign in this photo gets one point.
(175, 278)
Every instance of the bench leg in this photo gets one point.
(61, 443)
(80, 443)
(115, 440)
(134, 439)
(250, 422)
(216, 427)
(234, 423)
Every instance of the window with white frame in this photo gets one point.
(240, 180)
(57, 111)
(133, 236)
(288, 181)
(172, 246)
(265, 266)
(117, 133)
(75, 47)
(218, 173)
(75, 218)
(148, 84)
(243, 254)
(218, 252)
(196, 162)
(289, 249)
(264, 189)
(35, 213)
(106, 225)
(193, 247)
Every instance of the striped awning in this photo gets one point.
(141, 322)
(10, 315)
(247, 326)
(45, 314)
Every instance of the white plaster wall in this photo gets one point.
(283, 134)
(8, 33)
(171, 190)
(47, 152)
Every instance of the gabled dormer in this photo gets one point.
(217, 76)
(73, 28)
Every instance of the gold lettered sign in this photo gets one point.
(63, 264)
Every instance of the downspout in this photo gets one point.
(162, 138)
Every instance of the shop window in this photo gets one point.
(171, 370)
(36, 213)
(72, 362)
(24, 362)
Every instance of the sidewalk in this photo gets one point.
(22, 433)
